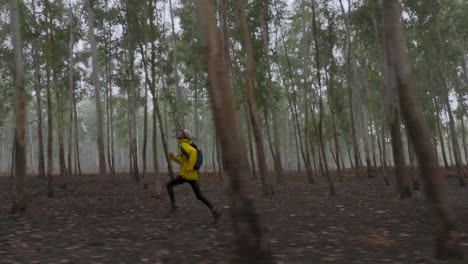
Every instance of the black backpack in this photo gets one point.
(199, 161)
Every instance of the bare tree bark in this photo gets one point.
(247, 229)
(382, 150)
(444, 227)
(97, 91)
(70, 93)
(413, 170)
(348, 83)
(58, 104)
(253, 165)
(77, 149)
(157, 174)
(267, 185)
(264, 17)
(293, 105)
(331, 186)
(180, 122)
(330, 76)
(401, 171)
(37, 88)
(48, 55)
(453, 134)
(19, 204)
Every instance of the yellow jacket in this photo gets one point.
(186, 163)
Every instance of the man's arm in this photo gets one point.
(174, 158)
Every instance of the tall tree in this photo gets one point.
(349, 84)
(20, 107)
(180, 122)
(37, 89)
(441, 70)
(48, 56)
(252, 105)
(444, 227)
(247, 228)
(97, 92)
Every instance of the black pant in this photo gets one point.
(196, 189)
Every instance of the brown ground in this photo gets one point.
(364, 223)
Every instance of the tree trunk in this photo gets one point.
(59, 113)
(413, 171)
(97, 91)
(453, 134)
(37, 88)
(107, 98)
(180, 105)
(247, 229)
(131, 101)
(401, 171)
(253, 113)
(157, 174)
(445, 234)
(381, 146)
(251, 150)
(293, 107)
(331, 186)
(330, 85)
(77, 149)
(266, 40)
(348, 83)
(19, 204)
(374, 158)
(48, 55)
(70, 93)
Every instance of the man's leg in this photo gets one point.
(170, 189)
(201, 197)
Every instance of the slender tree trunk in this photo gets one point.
(465, 143)
(462, 123)
(413, 170)
(444, 227)
(37, 88)
(58, 110)
(131, 94)
(264, 14)
(157, 175)
(252, 106)
(59, 113)
(180, 122)
(453, 134)
(13, 155)
(247, 228)
(382, 150)
(152, 86)
(251, 150)
(330, 86)
(70, 92)
(77, 149)
(374, 158)
(401, 171)
(441, 137)
(348, 83)
(330, 183)
(97, 91)
(19, 204)
(48, 55)
(293, 107)
(107, 99)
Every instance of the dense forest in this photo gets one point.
(321, 88)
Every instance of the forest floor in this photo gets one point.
(364, 223)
